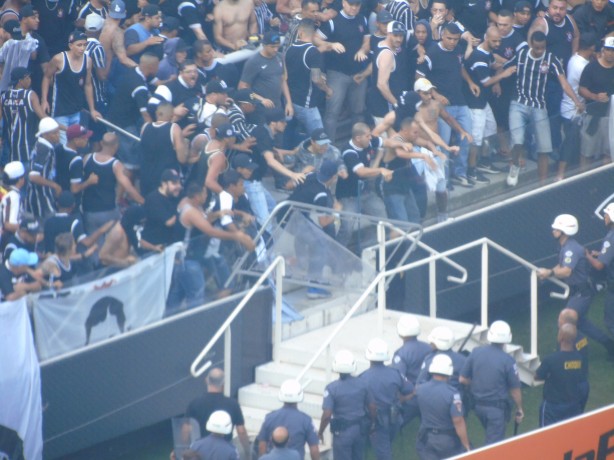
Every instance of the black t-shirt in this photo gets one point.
(158, 210)
(597, 79)
(408, 106)
(130, 99)
(443, 69)
(37, 59)
(6, 281)
(202, 407)
(62, 223)
(56, 22)
(227, 73)
(478, 68)
(132, 222)
(349, 31)
(354, 158)
(563, 372)
(15, 242)
(474, 16)
(264, 142)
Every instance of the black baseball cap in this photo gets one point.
(243, 160)
(170, 23)
(66, 200)
(170, 175)
(19, 73)
(150, 10)
(395, 27)
(320, 137)
(27, 11)
(271, 38)
(244, 95)
(522, 5)
(224, 131)
(384, 17)
(30, 224)
(76, 36)
(216, 86)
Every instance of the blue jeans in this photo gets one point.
(309, 118)
(218, 268)
(462, 115)
(344, 88)
(67, 120)
(402, 207)
(260, 200)
(188, 283)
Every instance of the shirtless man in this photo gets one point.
(112, 36)
(234, 22)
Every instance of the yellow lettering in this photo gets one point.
(573, 365)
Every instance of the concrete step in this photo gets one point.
(263, 396)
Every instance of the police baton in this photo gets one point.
(516, 427)
(462, 346)
(85, 116)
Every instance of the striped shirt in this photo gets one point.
(96, 53)
(88, 8)
(263, 16)
(400, 11)
(532, 75)
(22, 122)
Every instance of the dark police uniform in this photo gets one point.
(493, 374)
(348, 399)
(565, 379)
(458, 363)
(606, 257)
(299, 426)
(385, 384)
(439, 403)
(215, 448)
(581, 292)
(408, 360)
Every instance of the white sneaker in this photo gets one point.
(512, 177)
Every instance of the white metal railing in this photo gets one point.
(485, 243)
(279, 266)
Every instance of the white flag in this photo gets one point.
(21, 428)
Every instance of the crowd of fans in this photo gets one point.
(124, 131)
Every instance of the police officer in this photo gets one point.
(442, 432)
(570, 316)
(573, 268)
(493, 376)
(564, 375)
(442, 339)
(389, 389)
(409, 358)
(216, 446)
(299, 424)
(604, 260)
(349, 408)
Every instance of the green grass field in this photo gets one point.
(155, 443)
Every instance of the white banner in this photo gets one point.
(21, 428)
(72, 318)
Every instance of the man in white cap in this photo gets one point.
(11, 205)
(43, 188)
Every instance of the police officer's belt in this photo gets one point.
(440, 431)
(340, 424)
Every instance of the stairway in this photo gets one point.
(259, 398)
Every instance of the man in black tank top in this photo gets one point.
(164, 146)
(71, 72)
(387, 82)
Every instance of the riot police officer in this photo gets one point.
(349, 408)
(573, 268)
(493, 377)
(216, 446)
(442, 432)
(442, 339)
(389, 388)
(299, 424)
(604, 260)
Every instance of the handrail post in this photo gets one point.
(433, 289)
(484, 286)
(381, 287)
(227, 360)
(533, 312)
(279, 274)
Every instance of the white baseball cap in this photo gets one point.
(47, 125)
(93, 22)
(609, 42)
(422, 84)
(14, 170)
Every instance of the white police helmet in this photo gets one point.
(290, 391)
(442, 337)
(408, 326)
(441, 364)
(499, 332)
(344, 362)
(566, 223)
(219, 422)
(609, 209)
(377, 350)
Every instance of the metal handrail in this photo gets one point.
(279, 266)
(485, 243)
(288, 206)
